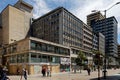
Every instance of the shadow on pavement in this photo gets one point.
(113, 77)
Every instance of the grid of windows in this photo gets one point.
(108, 27)
(37, 58)
(61, 26)
(72, 30)
(49, 48)
(19, 58)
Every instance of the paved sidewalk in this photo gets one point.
(112, 75)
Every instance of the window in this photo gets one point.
(40, 58)
(44, 47)
(32, 45)
(34, 58)
(19, 60)
(44, 58)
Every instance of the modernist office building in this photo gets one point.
(61, 26)
(108, 27)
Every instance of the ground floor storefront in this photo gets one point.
(37, 68)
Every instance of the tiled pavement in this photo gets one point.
(112, 75)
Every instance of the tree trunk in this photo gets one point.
(80, 69)
(98, 72)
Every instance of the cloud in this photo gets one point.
(80, 8)
(81, 11)
(40, 8)
(84, 9)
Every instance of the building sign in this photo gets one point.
(65, 60)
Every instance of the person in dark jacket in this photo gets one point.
(88, 70)
(4, 74)
(43, 72)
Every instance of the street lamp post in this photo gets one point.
(105, 25)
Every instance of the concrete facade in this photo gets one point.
(101, 42)
(61, 26)
(94, 17)
(15, 23)
(34, 54)
(87, 38)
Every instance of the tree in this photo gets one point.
(98, 60)
(109, 61)
(80, 59)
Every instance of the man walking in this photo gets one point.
(88, 70)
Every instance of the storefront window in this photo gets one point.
(64, 68)
(64, 64)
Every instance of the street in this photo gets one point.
(111, 75)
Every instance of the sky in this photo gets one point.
(80, 8)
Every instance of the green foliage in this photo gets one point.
(80, 59)
(110, 60)
(98, 58)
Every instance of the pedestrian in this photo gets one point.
(0, 72)
(48, 72)
(25, 73)
(18, 71)
(43, 72)
(4, 74)
(88, 70)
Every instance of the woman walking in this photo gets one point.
(25, 73)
